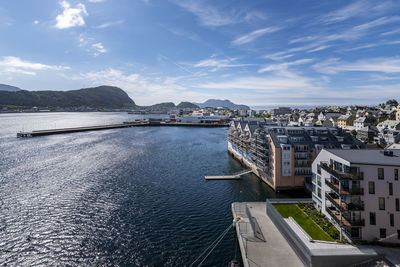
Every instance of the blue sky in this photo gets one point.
(259, 53)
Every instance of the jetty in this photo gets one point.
(228, 177)
(141, 123)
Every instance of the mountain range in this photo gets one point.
(107, 97)
(215, 103)
(5, 87)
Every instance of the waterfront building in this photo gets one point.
(281, 111)
(359, 190)
(282, 156)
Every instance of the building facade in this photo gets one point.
(359, 190)
(282, 156)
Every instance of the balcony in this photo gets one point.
(346, 221)
(342, 175)
(344, 206)
(344, 191)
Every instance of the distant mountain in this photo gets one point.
(183, 105)
(5, 87)
(215, 103)
(97, 97)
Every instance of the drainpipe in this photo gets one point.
(340, 210)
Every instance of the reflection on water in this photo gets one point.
(132, 196)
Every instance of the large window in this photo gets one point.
(382, 232)
(372, 218)
(391, 219)
(381, 174)
(396, 174)
(371, 186)
(391, 189)
(397, 202)
(382, 203)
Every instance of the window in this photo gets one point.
(396, 174)
(391, 189)
(382, 233)
(397, 204)
(319, 180)
(391, 219)
(371, 186)
(372, 218)
(381, 174)
(319, 192)
(382, 203)
(398, 234)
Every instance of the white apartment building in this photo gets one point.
(359, 190)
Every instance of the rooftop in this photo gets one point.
(370, 157)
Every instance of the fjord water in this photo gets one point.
(132, 196)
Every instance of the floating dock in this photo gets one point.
(228, 177)
(115, 126)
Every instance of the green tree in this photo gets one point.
(392, 102)
(353, 132)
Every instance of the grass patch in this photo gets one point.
(292, 210)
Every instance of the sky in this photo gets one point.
(261, 53)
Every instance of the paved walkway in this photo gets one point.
(275, 251)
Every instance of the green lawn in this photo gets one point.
(291, 210)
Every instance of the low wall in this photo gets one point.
(293, 239)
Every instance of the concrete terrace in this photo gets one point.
(267, 239)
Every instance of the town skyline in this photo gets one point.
(259, 54)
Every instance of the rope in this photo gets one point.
(213, 248)
(216, 242)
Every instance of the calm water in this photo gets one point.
(134, 196)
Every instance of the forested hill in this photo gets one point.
(96, 97)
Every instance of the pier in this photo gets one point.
(116, 126)
(228, 177)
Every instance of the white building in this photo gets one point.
(359, 190)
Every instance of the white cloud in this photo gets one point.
(385, 65)
(108, 24)
(250, 37)
(211, 16)
(99, 48)
(361, 8)
(269, 83)
(96, 1)
(216, 64)
(278, 56)
(11, 64)
(35, 22)
(71, 17)
(284, 66)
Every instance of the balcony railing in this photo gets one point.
(342, 175)
(344, 191)
(346, 221)
(344, 206)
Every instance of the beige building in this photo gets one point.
(282, 156)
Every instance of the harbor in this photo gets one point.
(136, 123)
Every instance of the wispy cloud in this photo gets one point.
(71, 17)
(208, 15)
(211, 16)
(10, 64)
(278, 56)
(216, 64)
(361, 8)
(250, 37)
(99, 49)
(284, 66)
(334, 65)
(109, 24)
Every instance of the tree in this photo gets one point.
(392, 102)
(353, 132)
